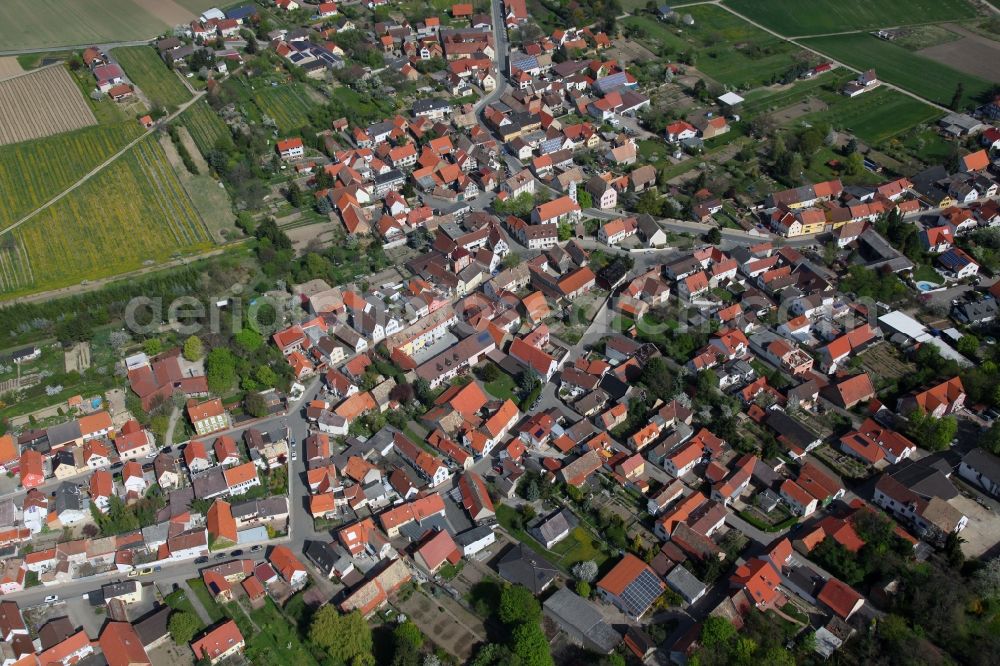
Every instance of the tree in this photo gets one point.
(990, 440)
(220, 369)
(956, 99)
(529, 644)
(930, 432)
(402, 393)
(851, 147)
(968, 345)
(295, 195)
(249, 340)
(854, 164)
(406, 643)
(716, 631)
(183, 626)
(583, 588)
(518, 605)
(584, 199)
(152, 347)
(193, 349)
(347, 638)
(713, 236)
(659, 378)
(256, 405)
(585, 571)
(986, 581)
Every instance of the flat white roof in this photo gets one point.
(731, 99)
(903, 323)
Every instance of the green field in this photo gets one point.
(724, 47)
(204, 125)
(904, 68)
(764, 100)
(796, 18)
(28, 24)
(875, 116)
(33, 172)
(146, 70)
(288, 106)
(131, 213)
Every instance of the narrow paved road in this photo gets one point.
(75, 47)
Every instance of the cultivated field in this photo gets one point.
(32, 173)
(969, 52)
(205, 126)
(9, 66)
(795, 18)
(41, 103)
(145, 69)
(39, 23)
(724, 47)
(875, 116)
(288, 106)
(904, 68)
(131, 213)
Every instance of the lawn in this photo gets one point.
(278, 641)
(902, 67)
(204, 125)
(288, 106)
(795, 18)
(133, 213)
(178, 601)
(197, 586)
(579, 546)
(28, 24)
(502, 388)
(724, 47)
(875, 116)
(33, 172)
(148, 71)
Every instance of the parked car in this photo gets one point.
(236, 553)
(201, 560)
(51, 598)
(145, 571)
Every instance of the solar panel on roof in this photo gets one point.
(642, 592)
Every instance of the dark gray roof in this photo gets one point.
(923, 479)
(64, 432)
(684, 583)
(471, 536)
(523, 566)
(556, 524)
(986, 464)
(153, 627)
(582, 620)
(323, 555)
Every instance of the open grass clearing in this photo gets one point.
(795, 18)
(923, 76)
